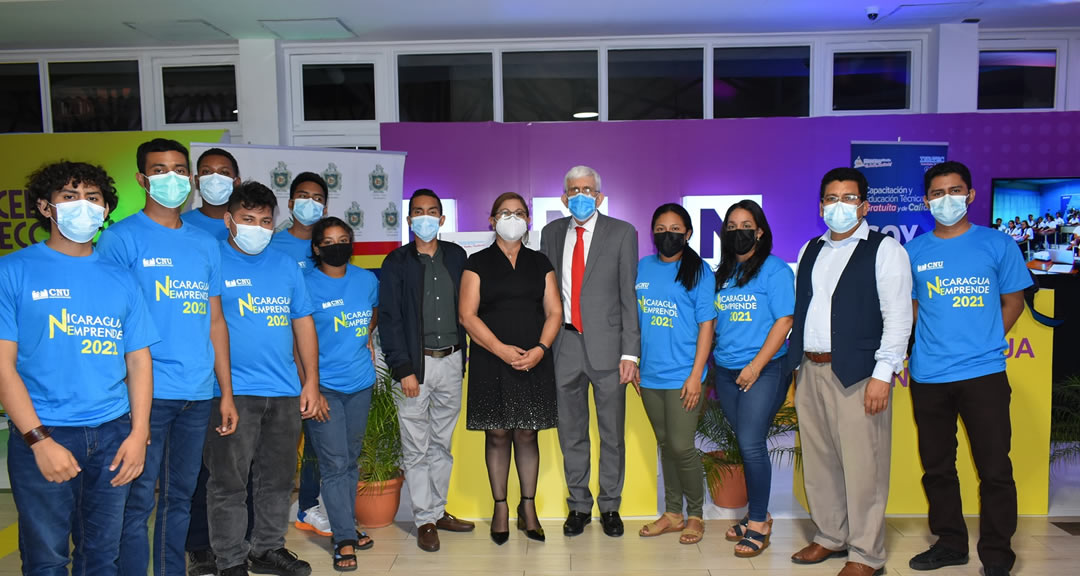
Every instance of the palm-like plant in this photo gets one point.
(380, 457)
(1065, 420)
(722, 448)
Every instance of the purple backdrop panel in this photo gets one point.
(646, 163)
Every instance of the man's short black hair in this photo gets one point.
(944, 168)
(51, 178)
(425, 192)
(251, 195)
(844, 174)
(220, 152)
(308, 177)
(158, 145)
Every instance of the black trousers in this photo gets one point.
(983, 405)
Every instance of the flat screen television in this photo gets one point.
(1019, 199)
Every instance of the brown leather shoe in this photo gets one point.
(450, 523)
(427, 538)
(815, 553)
(857, 569)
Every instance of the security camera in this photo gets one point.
(871, 13)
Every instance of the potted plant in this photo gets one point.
(378, 492)
(1065, 421)
(722, 459)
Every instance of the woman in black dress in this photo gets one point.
(511, 308)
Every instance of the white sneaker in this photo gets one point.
(314, 520)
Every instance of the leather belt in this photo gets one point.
(441, 352)
(819, 357)
(571, 327)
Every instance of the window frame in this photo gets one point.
(145, 80)
(43, 87)
(158, 63)
(419, 50)
(301, 131)
(1061, 48)
(783, 42)
(916, 88)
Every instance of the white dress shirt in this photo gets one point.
(893, 271)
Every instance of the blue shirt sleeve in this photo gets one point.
(215, 268)
(9, 325)
(704, 308)
(139, 328)
(374, 295)
(781, 289)
(1013, 274)
(112, 247)
(300, 303)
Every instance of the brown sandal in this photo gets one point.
(692, 535)
(654, 529)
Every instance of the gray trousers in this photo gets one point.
(845, 458)
(265, 443)
(427, 426)
(573, 373)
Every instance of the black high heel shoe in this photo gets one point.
(499, 538)
(537, 534)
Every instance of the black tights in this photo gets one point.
(527, 457)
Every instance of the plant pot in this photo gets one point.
(377, 502)
(729, 490)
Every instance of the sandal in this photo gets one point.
(750, 539)
(741, 526)
(691, 535)
(360, 537)
(339, 557)
(654, 529)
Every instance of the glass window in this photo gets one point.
(1015, 79)
(761, 81)
(445, 88)
(20, 98)
(95, 96)
(196, 94)
(872, 80)
(550, 86)
(339, 91)
(655, 84)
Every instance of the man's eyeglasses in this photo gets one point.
(588, 191)
(846, 199)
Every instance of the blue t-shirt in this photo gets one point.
(74, 319)
(343, 310)
(213, 226)
(299, 250)
(958, 283)
(262, 295)
(669, 315)
(745, 314)
(179, 270)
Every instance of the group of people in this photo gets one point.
(1042, 231)
(186, 337)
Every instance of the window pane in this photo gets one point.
(655, 84)
(20, 98)
(199, 94)
(1017, 79)
(339, 91)
(95, 96)
(871, 80)
(445, 88)
(547, 86)
(759, 82)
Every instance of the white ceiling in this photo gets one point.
(41, 24)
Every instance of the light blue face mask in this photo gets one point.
(169, 189)
(841, 217)
(582, 206)
(425, 227)
(307, 211)
(948, 209)
(215, 189)
(252, 239)
(79, 220)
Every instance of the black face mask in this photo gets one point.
(335, 254)
(741, 241)
(669, 243)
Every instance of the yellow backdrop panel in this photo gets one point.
(1029, 363)
(470, 493)
(115, 151)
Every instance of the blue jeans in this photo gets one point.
(87, 508)
(309, 475)
(337, 443)
(750, 414)
(177, 432)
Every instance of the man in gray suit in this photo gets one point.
(595, 259)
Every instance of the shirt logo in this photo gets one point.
(301, 263)
(973, 285)
(238, 282)
(332, 303)
(940, 264)
(157, 262)
(641, 286)
(48, 293)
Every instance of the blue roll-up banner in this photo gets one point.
(895, 172)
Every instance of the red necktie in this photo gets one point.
(577, 275)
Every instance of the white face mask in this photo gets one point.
(215, 189)
(511, 229)
(251, 239)
(841, 217)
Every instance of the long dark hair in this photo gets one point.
(726, 269)
(318, 232)
(690, 269)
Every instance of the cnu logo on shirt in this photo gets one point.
(157, 262)
(332, 303)
(237, 282)
(939, 265)
(47, 293)
(641, 286)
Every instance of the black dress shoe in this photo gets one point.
(612, 523)
(575, 523)
(522, 525)
(499, 538)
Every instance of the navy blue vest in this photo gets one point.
(856, 311)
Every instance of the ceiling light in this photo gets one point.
(586, 115)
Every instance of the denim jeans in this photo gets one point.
(263, 445)
(337, 443)
(177, 432)
(309, 474)
(750, 414)
(87, 509)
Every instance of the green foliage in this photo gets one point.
(380, 458)
(1065, 421)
